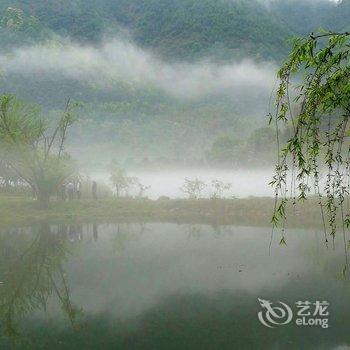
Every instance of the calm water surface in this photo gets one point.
(166, 286)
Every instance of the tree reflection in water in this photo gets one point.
(31, 271)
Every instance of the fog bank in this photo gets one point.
(118, 61)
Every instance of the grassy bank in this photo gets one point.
(250, 211)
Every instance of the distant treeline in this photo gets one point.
(182, 29)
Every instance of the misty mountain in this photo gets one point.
(192, 29)
(302, 17)
(340, 19)
(226, 28)
(181, 72)
(176, 30)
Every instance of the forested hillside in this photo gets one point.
(192, 29)
(193, 76)
(302, 17)
(181, 29)
(340, 19)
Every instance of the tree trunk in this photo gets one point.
(43, 199)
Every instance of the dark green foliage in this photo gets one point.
(67, 18)
(191, 29)
(182, 29)
(302, 17)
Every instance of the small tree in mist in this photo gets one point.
(193, 188)
(219, 188)
(125, 184)
(119, 179)
(33, 150)
(141, 188)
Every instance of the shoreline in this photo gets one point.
(252, 211)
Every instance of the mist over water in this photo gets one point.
(244, 183)
(138, 151)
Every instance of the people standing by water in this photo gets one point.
(78, 188)
(95, 232)
(63, 193)
(94, 190)
(73, 189)
(70, 190)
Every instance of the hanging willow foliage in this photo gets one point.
(319, 117)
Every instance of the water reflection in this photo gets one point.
(31, 270)
(95, 232)
(126, 233)
(164, 286)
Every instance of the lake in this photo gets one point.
(169, 286)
